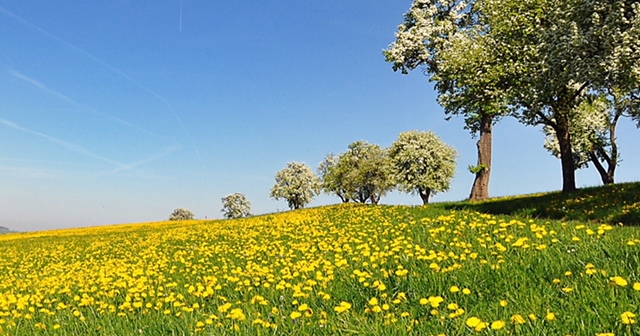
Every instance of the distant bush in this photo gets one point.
(181, 214)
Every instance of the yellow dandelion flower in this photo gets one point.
(497, 325)
(628, 317)
(518, 319)
(343, 307)
(620, 281)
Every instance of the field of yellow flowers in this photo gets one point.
(344, 269)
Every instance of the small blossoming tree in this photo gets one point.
(236, 206)
(181, 214)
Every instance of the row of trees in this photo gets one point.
(572, 66)
(417, 162)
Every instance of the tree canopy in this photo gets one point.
(297, 184)
(236, 206)
(422, 163)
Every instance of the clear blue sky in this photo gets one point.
(121, 111)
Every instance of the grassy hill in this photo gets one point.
(617, 203)
(444, 269)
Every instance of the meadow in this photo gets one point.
(444, 269)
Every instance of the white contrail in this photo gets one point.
(49, 90)
(44, 88)
(180, 26)
(165, 152)
(70, 146)
(108, 66)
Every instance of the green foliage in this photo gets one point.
(476, 169)
(615, 203)
(366, 172)
(333, 174)
(181, 214)
(236, 206)
(422, 163)
(297, 184)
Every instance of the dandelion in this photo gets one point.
(550, 316)
(620, 281)
(294, 315)
(636, 286)
(343, 307)
(497, 325)
(454, 289)
(628, 317)
(518, 319)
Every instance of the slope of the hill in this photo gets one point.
(613, 204)
(346, 269)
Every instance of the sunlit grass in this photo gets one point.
(347, 269)
(616, 203)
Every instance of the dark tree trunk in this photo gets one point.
(480, 188)
(606, 175)
(566, 153)
(424, 195)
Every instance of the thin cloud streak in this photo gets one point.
(46, 89)
(69, 146)
(167, 151)
(108, 66)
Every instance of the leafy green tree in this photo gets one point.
(422, 163)
(435, 36)
(297, 184)
(181, 214)
(236, 206)
(367, 172)
(333, 177)
(554, 54)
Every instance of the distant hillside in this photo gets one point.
(5, 230)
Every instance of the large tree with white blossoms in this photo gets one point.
(544, 57)
(236, 206)
(297, 184)
(422, 163)
(436, 35)
(559, 53)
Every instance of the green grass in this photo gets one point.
(614, 204)
(511, 267)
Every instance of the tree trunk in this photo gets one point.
(424, 195)
(606, 175)
(566, 153)
(480, 188)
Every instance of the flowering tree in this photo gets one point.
(365, 172)
(333, 177)
(539, 58)
(422, 163)
(435, 36)
(297, 184)
(236, 206)
(557, 54)
(181, 214)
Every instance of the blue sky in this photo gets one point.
(121, 111)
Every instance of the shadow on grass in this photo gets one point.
(613, 204)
